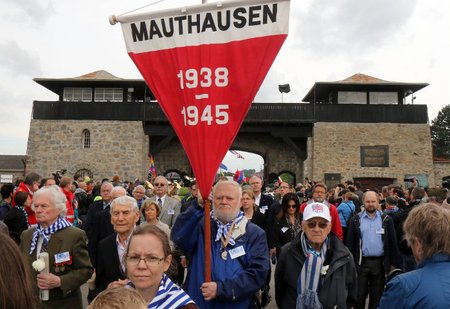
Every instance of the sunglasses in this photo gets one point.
(292, 206)
(159, 185)
(312, 225)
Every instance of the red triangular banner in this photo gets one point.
(205, 65)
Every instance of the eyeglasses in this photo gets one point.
(160, 184)
(312, 225)
(148, 260)
(291, 206)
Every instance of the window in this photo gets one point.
(84, 172)
(86, 139)
(108, 95)
(77, 94)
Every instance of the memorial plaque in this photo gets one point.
(332, 180)
(374, 156)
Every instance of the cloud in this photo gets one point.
(349, 26)
(36, 11)
(18, 61)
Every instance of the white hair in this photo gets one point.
(231, 182)
(118, 188)
(227, 217)
(125, 200)
(57, 198)
(162, 177)
(139, 187)
(106, 183)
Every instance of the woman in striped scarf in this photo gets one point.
(147, 258)
(315, 270)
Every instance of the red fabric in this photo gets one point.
(70, 215)
(335, 221)
(247, 62)
(30, 212)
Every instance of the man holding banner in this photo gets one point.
(239, 254)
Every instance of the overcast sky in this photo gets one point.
(401, 40)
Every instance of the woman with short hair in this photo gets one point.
(146, 260)
(427, 231)
(151, 210)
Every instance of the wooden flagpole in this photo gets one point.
(207, 207)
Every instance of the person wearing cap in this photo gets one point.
(373, 243)
(315, 269)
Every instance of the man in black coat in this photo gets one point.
(94, 209)
(110, 264)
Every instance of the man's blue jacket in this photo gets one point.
(237, 279)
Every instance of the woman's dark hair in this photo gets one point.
(20, 197)
(285, 203)
(15, 280)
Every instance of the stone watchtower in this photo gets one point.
(94, 128)
(365, 131)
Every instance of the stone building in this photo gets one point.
(358, 128)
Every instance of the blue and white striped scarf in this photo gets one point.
(25, 213)
(223, 229)
(309, 281)
(169, 296)
(60, 224)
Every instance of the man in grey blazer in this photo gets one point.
(170, 207)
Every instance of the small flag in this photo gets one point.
(239, 156)
(223, 166)
(280, 180)
(151, 169)
(240, 177)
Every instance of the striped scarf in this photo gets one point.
(309, 281)
(169, 296)
(60, 224)
(223, 229)
(25, 213)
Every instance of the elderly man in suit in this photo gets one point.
(110, 267)
(66, 246)
(170, 207)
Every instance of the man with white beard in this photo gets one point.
(239, 254)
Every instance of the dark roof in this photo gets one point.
(99, 78)
(360, 82)
(12, 162)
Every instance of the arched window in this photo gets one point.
(84, 172)
(86, 138)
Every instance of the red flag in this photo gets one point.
(205, 64)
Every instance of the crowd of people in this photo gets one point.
(141, 244)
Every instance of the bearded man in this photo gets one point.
(239, 254)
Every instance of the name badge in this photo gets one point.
(171, 212)
(237, 252)
(284, 229)
(263, 209)
(62, 257)
(380, 231)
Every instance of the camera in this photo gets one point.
(58, 174)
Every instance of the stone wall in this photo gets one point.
(441, 170)
(335, 148)
(116, 147)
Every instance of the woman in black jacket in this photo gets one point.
(287, 222)
(17, 219)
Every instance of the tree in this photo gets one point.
(440, 133)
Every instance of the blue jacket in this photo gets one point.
(235, 285)
(426, 287)
(345, 211)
